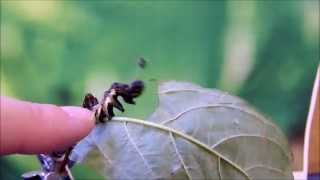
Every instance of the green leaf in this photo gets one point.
(195, 133)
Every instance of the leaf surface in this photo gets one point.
(195, 133)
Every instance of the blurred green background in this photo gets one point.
(266, 52)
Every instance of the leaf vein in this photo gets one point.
(249, 135)
(105, 155)
(264, 167)
(181, 134)
(110, 161)
(219, 168)
(179, 155)
(218, 105)
(137, 149)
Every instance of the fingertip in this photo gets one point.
(82, 119)
(70, 125)
(37, 128)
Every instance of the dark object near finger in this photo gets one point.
(136, 88)
(89, 101)
(104, 109)
(142, 62)
(118, 105)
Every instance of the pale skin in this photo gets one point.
(32, 128)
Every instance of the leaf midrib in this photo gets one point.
(183, 135)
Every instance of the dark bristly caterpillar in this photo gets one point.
(104, 108)
(57, 164)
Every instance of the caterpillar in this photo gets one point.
(104, 108)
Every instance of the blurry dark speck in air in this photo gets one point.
(63, 95)
(142, 63)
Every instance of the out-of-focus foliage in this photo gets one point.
(281, 81)
(266, 52)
